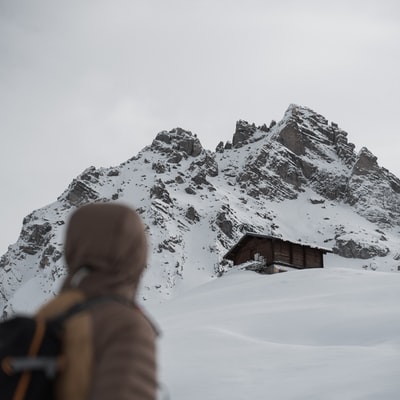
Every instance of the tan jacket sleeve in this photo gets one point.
(125, 366)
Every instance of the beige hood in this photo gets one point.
(105, 250)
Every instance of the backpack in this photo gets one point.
(30, 353)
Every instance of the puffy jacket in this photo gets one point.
(109, 349)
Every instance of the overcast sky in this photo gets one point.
(92, 82)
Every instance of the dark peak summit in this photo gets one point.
(302, 128)
(299, 113)
(178, 140)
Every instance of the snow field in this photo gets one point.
(324, 334)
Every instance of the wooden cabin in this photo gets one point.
(268, 254)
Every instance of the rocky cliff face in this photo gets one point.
(299, 178)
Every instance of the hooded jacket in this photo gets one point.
(109, 349)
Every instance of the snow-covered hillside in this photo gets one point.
(299, 179)
(304, 335)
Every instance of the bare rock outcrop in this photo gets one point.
(177, 140)
(243, 133)
(350, 248)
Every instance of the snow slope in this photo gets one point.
(312, 334)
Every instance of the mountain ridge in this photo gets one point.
(298, 178)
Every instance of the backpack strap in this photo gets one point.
(93, 301)
(89, 303)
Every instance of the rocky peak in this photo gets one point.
(305, 151)
(243, 132)
(178, 140)
(302, 128)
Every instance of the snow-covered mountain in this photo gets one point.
(299, 179)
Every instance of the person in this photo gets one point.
(110, 348)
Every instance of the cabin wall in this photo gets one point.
(252, 247)
(305, 257)
(298, 255)
(282, 252)
(314, 258)
(279, 251)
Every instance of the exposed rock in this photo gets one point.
(394, 182)
(5, 262)
(307, 169)
(164, 137)
(159, 191)
(192, 214)
(50, 255)
(263, 176)
(29, 218)
(244, 131)
(179, 179)
(79, 193)
(224, 224)
(291, 138)
(304, 129)
(220, 147)
(344, 149)
(200, 179)
(166, 245)
(206, 164)
(330, 185)
(90, 175)
(317, 201)
(228, 145)
(177, 140)
(211, 166)
(349, 248)
(176, 158)
(159, 167)
(190, 190)
(365, 162)
(35, 237)
(287, 169)
(188, 143)
(113, 172)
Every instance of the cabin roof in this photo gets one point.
(248, 235)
